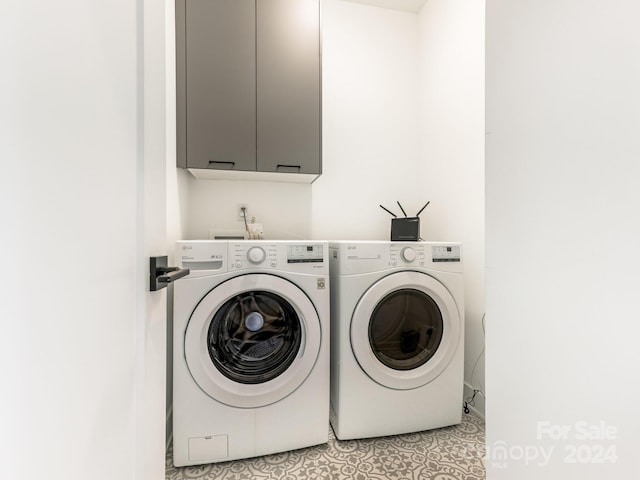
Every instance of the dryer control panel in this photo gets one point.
(362, 256)
(403, 254)
(445, 253)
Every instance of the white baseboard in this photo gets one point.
(479, 401)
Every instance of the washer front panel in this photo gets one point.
(252, 340)
(405, 330)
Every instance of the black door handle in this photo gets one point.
(160, 275)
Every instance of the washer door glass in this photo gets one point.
(405, 329)
(252, 340)
(254, 337)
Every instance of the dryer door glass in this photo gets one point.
(254, 337)
(405, 330)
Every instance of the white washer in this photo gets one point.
(397, 337)
(251, 349)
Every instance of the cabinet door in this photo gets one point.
(288, 85)
(220, 84)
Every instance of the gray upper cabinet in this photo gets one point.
(248, 85)
(288, 86)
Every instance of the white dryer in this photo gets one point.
(397, 337)
(251, 349)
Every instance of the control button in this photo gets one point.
(408, 254)
(273, 264)
(393, 263)
(256, 255)
(238, 264)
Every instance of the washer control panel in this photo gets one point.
(278, 255)
(247, 255)
(202, 257)
(305, 253)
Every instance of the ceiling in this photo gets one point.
(406, 5)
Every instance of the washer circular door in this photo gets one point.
(252, 340)
(405, 330)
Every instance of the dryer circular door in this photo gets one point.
(405, 330)
(252, 340)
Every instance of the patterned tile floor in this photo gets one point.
(450, 453)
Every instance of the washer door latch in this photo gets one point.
(160, 275)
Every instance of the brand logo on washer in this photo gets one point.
(187, 247)
(321, 284)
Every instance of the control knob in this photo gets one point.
(408, 254)
(256, 255)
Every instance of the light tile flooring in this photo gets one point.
(443, 454)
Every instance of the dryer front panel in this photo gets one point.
(252, 340)
(405, 330)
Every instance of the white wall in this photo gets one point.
(451, 166)
(562, 169)
(370, 121)
(284, 209)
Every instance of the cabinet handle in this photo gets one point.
(288, 168)
(222, 165)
